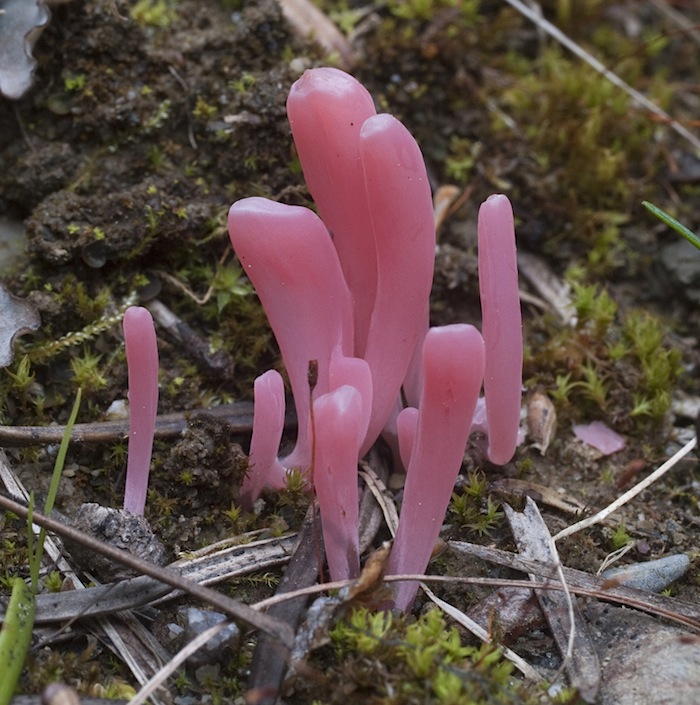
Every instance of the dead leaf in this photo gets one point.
(534, 543)
(17, 316)
(21, 23)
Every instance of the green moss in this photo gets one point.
(472, 508)
(389, 660)
(617, 365)
(154, 13)
(620, 538)
(203, 110)
(590, 147)
(425, 10)
(74, 83)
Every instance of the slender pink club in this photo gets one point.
(265, 470)
(327, 108)
(502, 326)
(400, 204)
(142, 362)
(453, 369)
(291, 261)
(338, 421)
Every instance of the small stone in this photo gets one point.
(208, 674)
(644, 662)
(652, 576)
(21, 23)
(680, 262)
(195, 621)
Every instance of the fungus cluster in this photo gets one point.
(348, 292)
(347, 296)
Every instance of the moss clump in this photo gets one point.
(473, 508)
(618, 365)
(377, 658)
(591, 151)
(154, 13)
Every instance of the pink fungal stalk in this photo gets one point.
(327, 109)
(501, 327)
(289, 258)
(142, 362)
(400, 204)
(368, 178)
(453, 369)
(338, 421)
(265, 470)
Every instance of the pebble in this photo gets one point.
(680, 262)
(195, 621)
(651, 576)
(644, 662)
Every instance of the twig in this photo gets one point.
(478, 631)
(688, 615)
(215, 567)
(219, 362)
(568, 628)
(268, 666)
(239, 416)
(687, 27)
(311, 22)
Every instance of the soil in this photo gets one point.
(139, 133)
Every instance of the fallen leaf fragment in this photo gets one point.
(600, 437)
(534, 543)
(21, 23)
(17, 316)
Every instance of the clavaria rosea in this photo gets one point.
(349, 292)
(142, 362)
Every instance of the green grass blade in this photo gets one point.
(61, 457)
(15, 637)
(664, 217)
(35, 557)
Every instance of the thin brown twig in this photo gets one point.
(239, 416)
(621, 594)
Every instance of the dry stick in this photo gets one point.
(686, 613)
(533, 541)
(520, 663)
(233, 608)
(687, 27)
(239, 416)
(267, 668)
(582, 54)
(619, 595)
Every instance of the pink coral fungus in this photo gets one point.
(142, 361)
(453, 368)
(349, 291)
